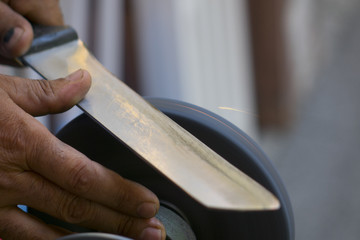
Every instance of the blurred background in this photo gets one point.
(286, 72)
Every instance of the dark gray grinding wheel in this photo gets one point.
(220, 135)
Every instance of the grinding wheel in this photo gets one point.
(224, 138)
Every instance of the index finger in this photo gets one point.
(73, 171)
(16, 32)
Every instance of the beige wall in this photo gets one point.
(198, 51)
(191, 50)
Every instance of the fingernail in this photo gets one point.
(12, 36)
(15, 42)
(151, 234)
(77, 75)
(147, 210)
(8, 35)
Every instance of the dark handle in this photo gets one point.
(46, 37)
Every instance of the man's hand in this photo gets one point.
(16, 33)
(37, 169)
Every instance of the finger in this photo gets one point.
(72, 170)
(77, 174)
(39, 97)
(40, 194)
(16, 32)
(43, 12)
(15, 224)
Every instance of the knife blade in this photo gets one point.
(190, 164)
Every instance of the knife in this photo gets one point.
(185, 160)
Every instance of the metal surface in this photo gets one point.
(166, 146)
(93, 236)
(220, 135)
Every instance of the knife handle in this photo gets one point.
(46, 37)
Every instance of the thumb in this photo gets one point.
(40, 97)
(16, 33)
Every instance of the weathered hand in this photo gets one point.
(16, 33)
(38, 170)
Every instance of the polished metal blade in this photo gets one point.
(185, 160)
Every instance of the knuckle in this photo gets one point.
(37, 141)
(19, 137)
(14, 84)
(125, 225)
(76, 210)
(44, 90)
(80, 178)
(8, 185)
(5, 182)
(122, 198)
(13, 137)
